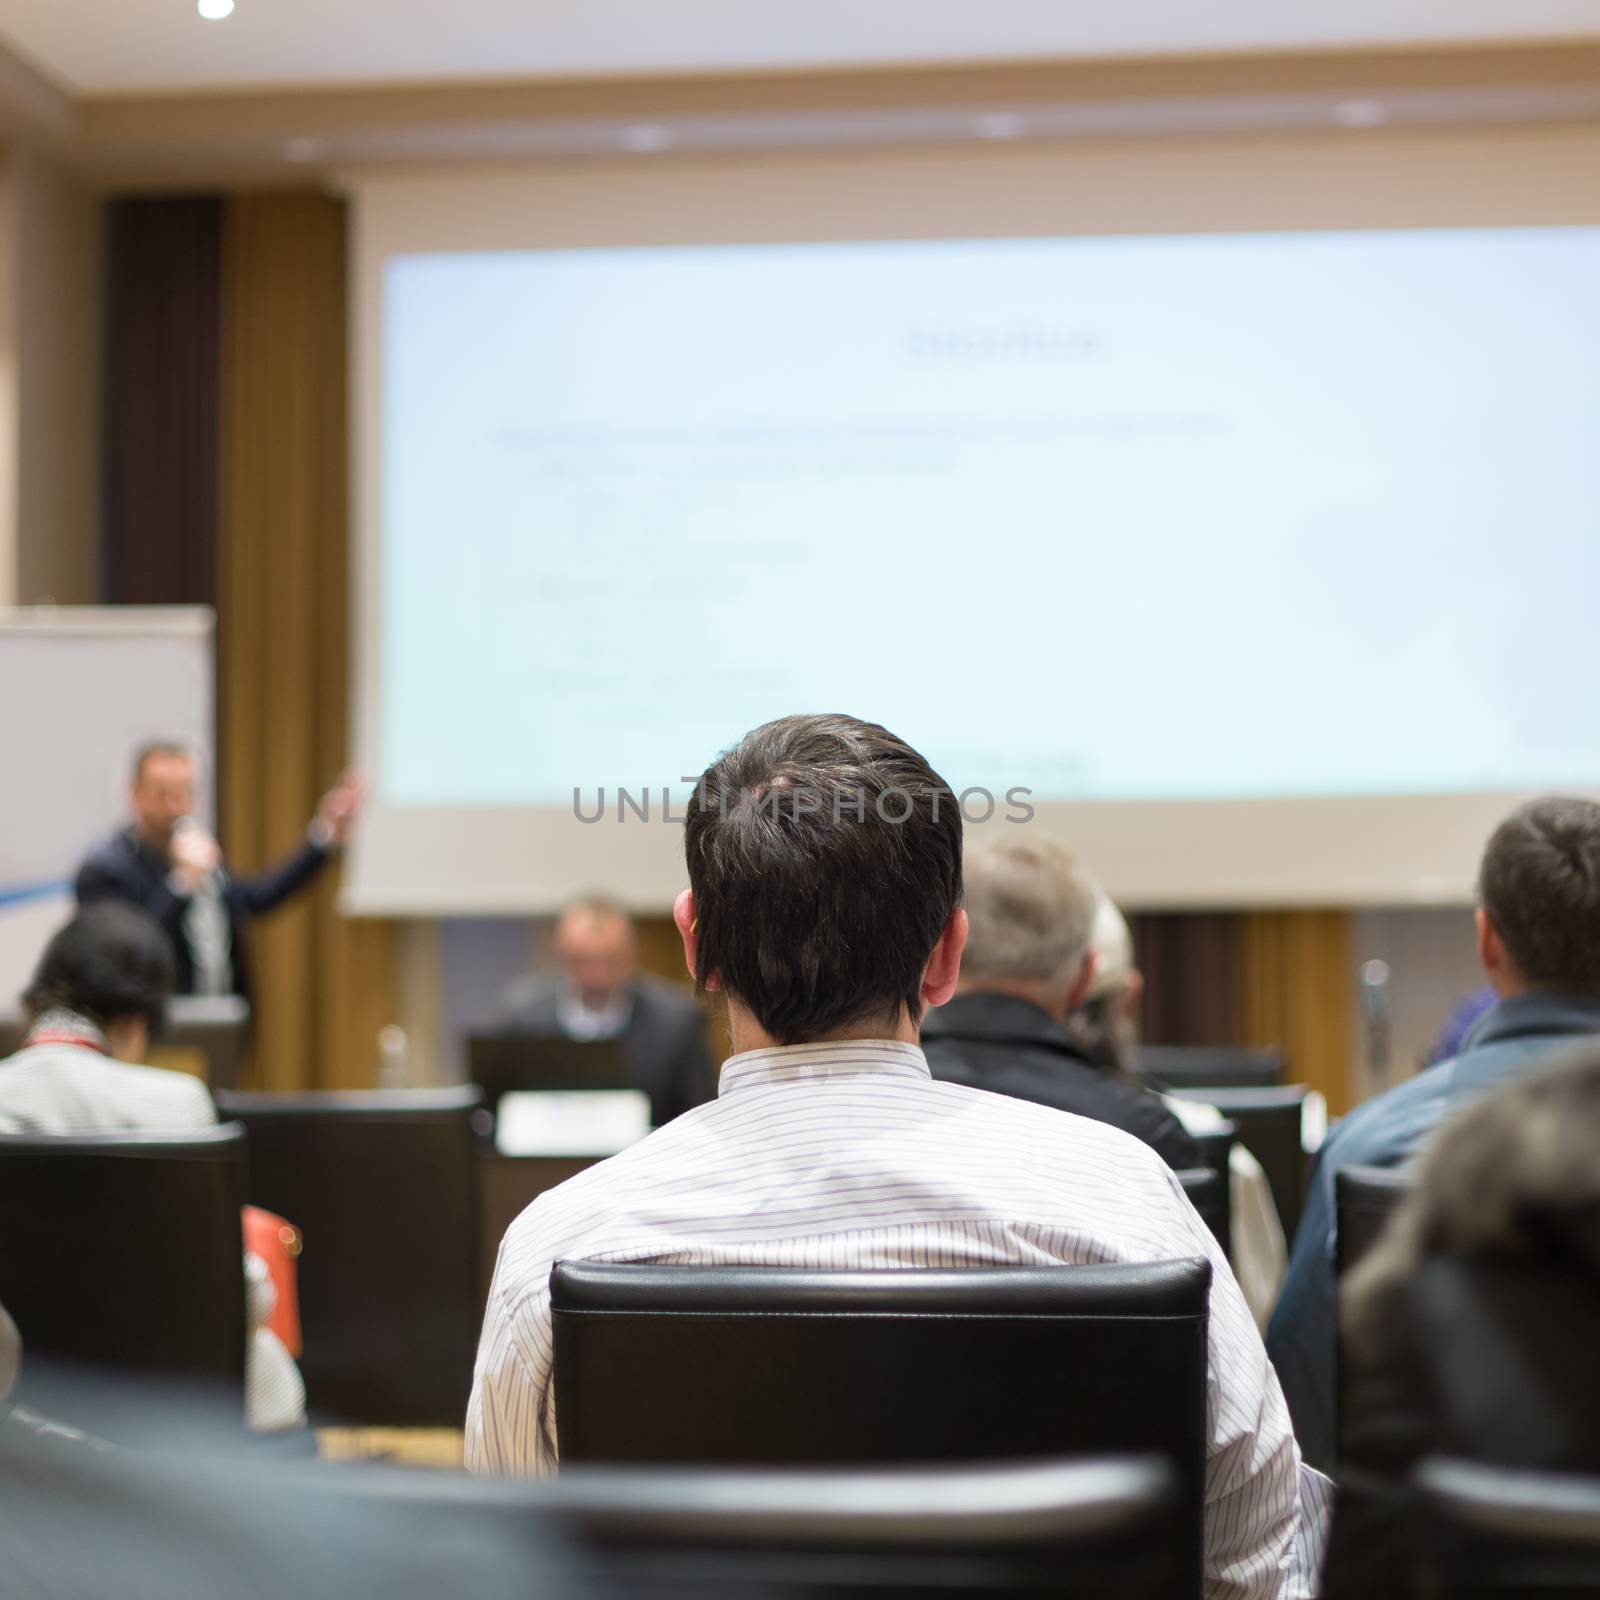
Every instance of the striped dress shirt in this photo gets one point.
(851, 1155)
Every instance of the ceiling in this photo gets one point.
(122, 47)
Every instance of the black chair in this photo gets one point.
(1211, 1195)
(785, 1367)
(1501, 1531)
(1094, 1527)
(98, 1522)
(1364, 1199)
(123, 1255)
(384, 1186)
(1268, 1121)
(1182, 1067)
(1216, 1145)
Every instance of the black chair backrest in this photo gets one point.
(1098, 1526)
(785, 1367)
(1210, 1194)
(109, 1522)
(1502, 1531)
(1269, 1121)
(125, 1253)
(1181, 1067)
(1365, 1198)
(384, 1186)
(1216, 1144)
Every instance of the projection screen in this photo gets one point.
(1246, 547)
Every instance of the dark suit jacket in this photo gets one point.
(664, 1042)
(1488, 1359)
(123, 869)
(1009, 1046)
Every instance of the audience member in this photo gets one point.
(166, 862)
(600, 993)
(1539, 942)
(1105, 1027)
(1028, 962)
(1471, 1327)
(824, 859)
(97, 998)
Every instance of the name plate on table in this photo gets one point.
(575, 1122)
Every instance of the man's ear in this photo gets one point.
(688, 924)
(940, 975)
(1492, 952)
(1079, 991)
(1132, 993)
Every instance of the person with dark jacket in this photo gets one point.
(600, 993)
(1029, 961)
(166, 863)
(1539, 943)
(1470, 1329)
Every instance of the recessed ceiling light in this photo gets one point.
(1000, 125)
(214, 10)
(645, 137)
(1360, 113)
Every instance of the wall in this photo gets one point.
(50, 258)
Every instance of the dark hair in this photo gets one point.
(111, 961)
(1540, 887)
(157, 747)
(825, 858)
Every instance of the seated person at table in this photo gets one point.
(600, 993)
(830, 929)
(97, 998)
(1539, 942)
(1472, 1325)
(99, 994)
(1027, 963)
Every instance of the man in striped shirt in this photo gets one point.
(824, 860)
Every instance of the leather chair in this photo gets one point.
(1216, 1145)
(1100, 1526)
(384, 1187)
(1268, 1121)
(1183, 1068)
(1364, 1199)
(754, 1366)
(1211, 1195)
(1500, 1531)
(122, 1255)
(99, 1522)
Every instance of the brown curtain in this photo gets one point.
(324, 984)
(159, 434)
(1296, 991)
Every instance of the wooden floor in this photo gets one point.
(407, 1447)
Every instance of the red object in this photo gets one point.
(277, 1242)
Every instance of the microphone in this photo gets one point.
(1377, 1012)
(190, 826)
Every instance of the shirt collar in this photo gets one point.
(824, 1062)
(1533, 1015)
(61, 1026)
